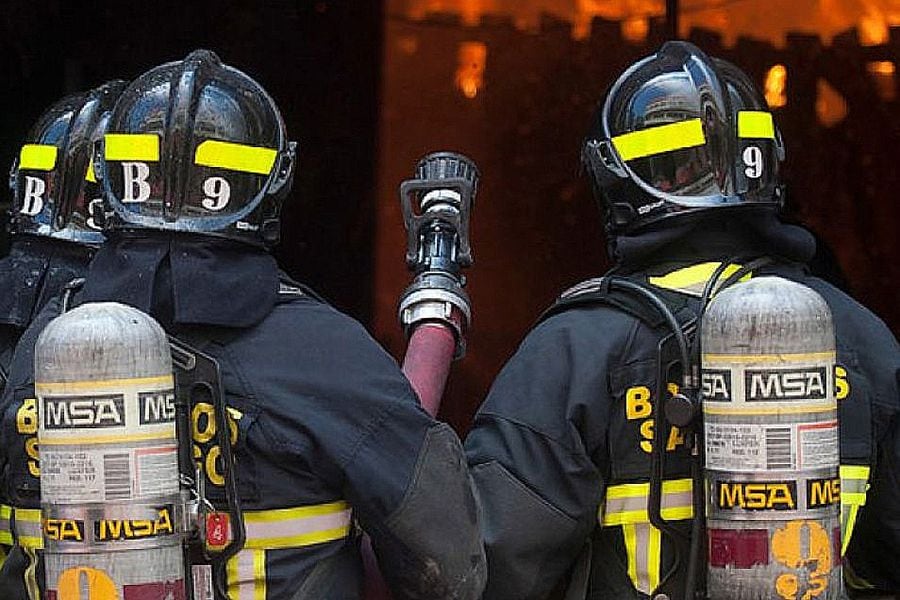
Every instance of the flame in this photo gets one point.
(884, 72)
(873, 28)
(776, 80)
(761, 19)
(471, 58)
(831, 108)
(635, 30)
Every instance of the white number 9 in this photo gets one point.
(218, 192)
(753, 158)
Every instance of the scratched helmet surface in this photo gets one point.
(54, 191)
(198, 146)
(667, 140)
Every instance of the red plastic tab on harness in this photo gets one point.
(218, 530)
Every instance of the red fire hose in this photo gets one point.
(427, 366)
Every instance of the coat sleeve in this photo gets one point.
(875, 544)
(536, 453)
(358, 424)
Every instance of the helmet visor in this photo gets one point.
(669, 126)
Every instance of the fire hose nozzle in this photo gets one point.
(437, 205)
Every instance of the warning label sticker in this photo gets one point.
(80, 475)
(70, 477)
(750, 447)
(819, 445)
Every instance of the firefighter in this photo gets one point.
(324, 429)
(53, 239)
(683, 155)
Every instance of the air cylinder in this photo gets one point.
(110, 494)
(771, 443)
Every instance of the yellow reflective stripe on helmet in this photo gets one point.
(89, 176)
(692, 280)
(656, 140)
(755, 124)
(38, 157)
(246, 575)
(131, 146)
(854, 484)
(235, 157)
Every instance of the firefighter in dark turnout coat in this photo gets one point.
(53, 232)
(326, 432)
(683, 155)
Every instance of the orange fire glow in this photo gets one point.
(471, 58)
(884, 72)
(761, 19)
(831, 108)
(776, 80)
(635, 30)
(873, 29)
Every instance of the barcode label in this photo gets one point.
(779, 453)
(117, 476)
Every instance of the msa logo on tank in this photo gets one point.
(81, 412)
(111, 530)
(156, 407)
(716, 384)
(763, 385)
(821, 493)
(756, 495)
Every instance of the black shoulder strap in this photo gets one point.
(602, 290)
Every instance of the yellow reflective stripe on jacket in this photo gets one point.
(626, 506)
(296, 527)
(643, 545)
(277, 529)
(755, 124)
(627, 503)
(659, 139)
(691, 280)
(27, 525)
(235, 157)
(131, 146)
(38, 157)
(854, 484)
(246, 575)
(5, 531)
(30, 577)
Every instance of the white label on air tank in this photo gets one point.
(70, 476)
(750, 447)
(819, 445)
